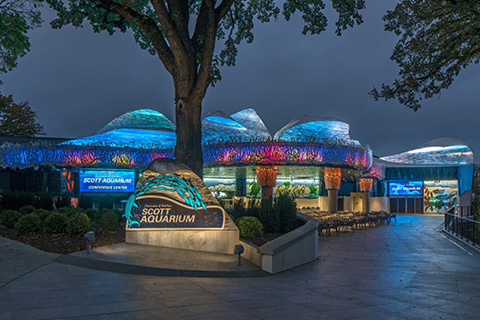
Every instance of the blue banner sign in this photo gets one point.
(107, 181)
(405, 188)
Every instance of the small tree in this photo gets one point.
(18, 120)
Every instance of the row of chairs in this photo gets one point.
(347, 220)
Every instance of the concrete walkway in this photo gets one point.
(402, 271)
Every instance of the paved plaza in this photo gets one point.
(406, 270)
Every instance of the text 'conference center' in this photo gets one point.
(314, 157)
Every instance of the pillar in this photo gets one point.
(267, 178)
(332, 184)
(241, 182)
(365, 186)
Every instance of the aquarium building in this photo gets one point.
(315, 157)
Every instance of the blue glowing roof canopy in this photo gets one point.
(443, 151)
(142, 119)
(217, 127)
(129, 138)
(323, 130)
(250, 120)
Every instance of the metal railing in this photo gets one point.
(467, 230)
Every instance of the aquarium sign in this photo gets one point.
(107, 180)
(405, 188)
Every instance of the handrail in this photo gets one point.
(464, 229)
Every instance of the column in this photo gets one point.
(332, 177)
(267, 178)
(241, 182)
(365, 186)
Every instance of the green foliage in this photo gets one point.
(268, 217)
(70, 211)
(254, 189)
(42, 214)
(438, 39)
(250, 227)
(55, 223)
(93, 214)
(17, 120)
(238, 209)
(17, 17)
(313, 191)
(109, 221)
(78, 224)
(253, 209)
(26, 210)
(234, 23)
(8, 218)
(28, 223)
(286, 211)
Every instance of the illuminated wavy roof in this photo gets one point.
(141, 119)
(250, 120)
(444, 151)
(322, 130)
(217, 127)
(129, 138)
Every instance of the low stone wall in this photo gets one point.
(291, 250)
(209, 240)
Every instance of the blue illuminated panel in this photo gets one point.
(405, 188)
(107, 181)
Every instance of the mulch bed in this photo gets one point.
(258, 241)
(64, 243)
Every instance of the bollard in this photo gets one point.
(90, 236)
(239, 249)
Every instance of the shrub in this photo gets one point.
(109, 221)
(78, 224)
(28, 223)
(238, 209)
(55, 223)
(93, 214)
(286, 211)
(267, 216)
(250, 227)
(26, 210)
(253, 209)
(8, 218)
(42, 214)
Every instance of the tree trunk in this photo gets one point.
(188, 148)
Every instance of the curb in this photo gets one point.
(151, 271)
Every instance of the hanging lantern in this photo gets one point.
(267, 176)
(333, 176)
(365, 185)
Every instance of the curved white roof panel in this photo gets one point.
(323, 130)
(250, 120)
(141, 119)
(444, 151)
(218, 127)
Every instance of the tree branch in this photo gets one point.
(147, 25)
(171, 33)
(222, 9)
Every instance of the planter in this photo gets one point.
(291, 250)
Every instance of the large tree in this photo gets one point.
(18, 120)
(183, 33)
(438, 39)
(17, 17)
